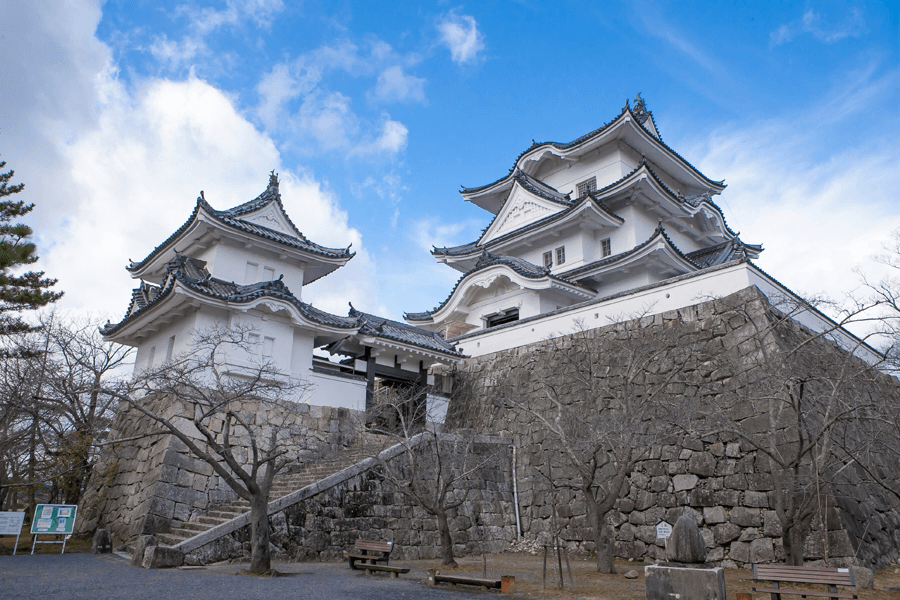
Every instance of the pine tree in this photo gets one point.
(29, 290)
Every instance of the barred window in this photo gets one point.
(605, 247)
(548, 260)
(585, 187)
(507, 316)
(560, 255)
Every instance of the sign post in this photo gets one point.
(55, 520)
(11, 524)
(663, 532)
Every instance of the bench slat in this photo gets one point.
(802, 593)
(374, 545)
(459, 579)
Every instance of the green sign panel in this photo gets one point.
(54, 519)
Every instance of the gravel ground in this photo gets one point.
(93, 577)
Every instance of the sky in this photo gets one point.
(117, 114)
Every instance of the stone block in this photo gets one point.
(666, 499)
(702, 497)
(864, 578)
(760, 482)
(771, 524)
(702, 463)
(738, 481)
(684, 482)
(665, 583)
(654, 468)
(740, 552)
(714, 514)
(728, 497)
(626, 532)
(676, 467)
(162, 557)
(761, 551)
(733, 450)
(755, 499)
(726, 532)
(646, 533)
(140, 546)
(659, 483)
(745, 517)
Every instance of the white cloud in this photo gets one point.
(850, 24)
(128, 164)
(819, 218)
(459, 33)
(173, 54)
(206, 20)
(293, 98)
(394, 85)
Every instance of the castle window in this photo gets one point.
(560, 255)
(170, 348)
(506, 316)
(605, 247)
(586, 187)
(268, 348)
(269, 274)
(548, 260)
(152, 357)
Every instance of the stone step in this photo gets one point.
(281, 486)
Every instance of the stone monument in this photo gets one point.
(686, 575)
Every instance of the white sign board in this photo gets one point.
(663, 530)
(11, 523)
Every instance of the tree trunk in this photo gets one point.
(602, 538)
(794, 542)
(446, 539)
(260, 559)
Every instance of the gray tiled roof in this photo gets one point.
(521, 266)
(231, 217)
(733, 249)
(659, 232)
(192, 274)
(401, 332)
(472, 247)
(590, 135)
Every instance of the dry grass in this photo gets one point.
(589, 584)
(74, 544)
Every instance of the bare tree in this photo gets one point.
(600, 398)
(789, 394)
(54, 408)
(435, 470)
(232, 410)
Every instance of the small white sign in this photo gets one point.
(663, 530)
(11, 522)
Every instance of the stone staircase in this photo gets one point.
(281, 487)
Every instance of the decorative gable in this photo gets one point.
(522, 208)
(270, 217)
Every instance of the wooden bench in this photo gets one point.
(435, 577)
(370, 553)
(779, 574)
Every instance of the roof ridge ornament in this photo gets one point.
(273, 182)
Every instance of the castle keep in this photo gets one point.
(583, 236)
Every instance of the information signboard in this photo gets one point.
(663, 530)
(11, 523)
(54, 519)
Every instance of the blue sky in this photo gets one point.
(116, 115)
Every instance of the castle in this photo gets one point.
(583, 234)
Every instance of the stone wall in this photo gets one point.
(361, 504)
(726, 486)
(151, 484)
